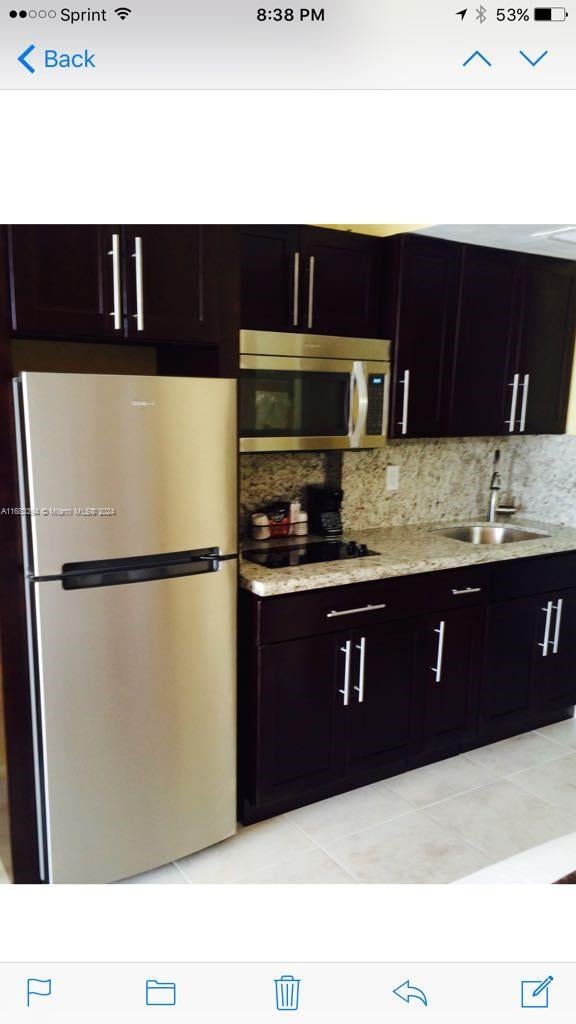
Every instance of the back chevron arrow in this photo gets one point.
(406, 991)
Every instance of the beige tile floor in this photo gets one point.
(442, 823)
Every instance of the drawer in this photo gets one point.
(539, 575)
(337, 609)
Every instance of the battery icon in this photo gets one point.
(550, 14)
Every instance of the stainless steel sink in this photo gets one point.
(491, 533)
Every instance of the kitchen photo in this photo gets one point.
(287, 554)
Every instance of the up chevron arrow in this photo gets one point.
(477, 54)
(533, 62)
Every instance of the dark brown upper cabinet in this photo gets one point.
(424, 332)
(169, 288)
(270, 269)
(62, 283)
(483, 340)
(312, 280)
(483, 373)
(149, 283)
(547, 329)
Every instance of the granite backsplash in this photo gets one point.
(440, 480)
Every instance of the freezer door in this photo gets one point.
(117, 467)
(136, 688)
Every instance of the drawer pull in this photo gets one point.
(355, 611)
(467, 590)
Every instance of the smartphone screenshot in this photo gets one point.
(287, 511)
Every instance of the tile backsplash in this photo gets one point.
(440, 480)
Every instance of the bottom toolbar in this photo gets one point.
(261, 992)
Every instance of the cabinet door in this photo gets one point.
(449, 648)
(62, 281)
(341, 276)
(514, 631)
(486, 348)
(168, 283)
(548, 327)
(424, 336)
(556, 662)
(382, 713)
(300, 716)
(271, 269)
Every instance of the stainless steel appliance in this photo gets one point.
(130, 556)
(301, 391)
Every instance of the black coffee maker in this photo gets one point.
(324, 504)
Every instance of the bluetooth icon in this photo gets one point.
(481, 14)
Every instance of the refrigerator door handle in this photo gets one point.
(77, 575)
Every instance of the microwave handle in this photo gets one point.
(360, 383)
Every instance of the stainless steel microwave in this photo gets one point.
(301, 392)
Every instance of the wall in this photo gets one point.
(440, 480)
(271, 477)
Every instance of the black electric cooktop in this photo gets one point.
(305, 554)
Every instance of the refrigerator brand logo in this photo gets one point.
(142, 404)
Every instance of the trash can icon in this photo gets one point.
(287, 992)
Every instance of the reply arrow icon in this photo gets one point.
(406, 991)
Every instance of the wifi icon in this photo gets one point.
(123, 12)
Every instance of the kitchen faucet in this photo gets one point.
(495, 485)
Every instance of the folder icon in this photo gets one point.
(160, 993)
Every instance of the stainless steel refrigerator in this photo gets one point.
(128, 486)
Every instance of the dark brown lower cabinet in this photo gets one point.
(555, 672)
(381, 718)
(386, 683)
(300, 734)
(507, 698)
(529, 660)
(450, 645)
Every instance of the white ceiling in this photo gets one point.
(543, 239)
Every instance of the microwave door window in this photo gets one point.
(294, 404)
(273, 411)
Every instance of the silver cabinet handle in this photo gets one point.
(296, 302)
(346, 691)
(557, 626)
(137, 255)
(360, 688)
(438, 666)
(405, 382)
(114, 252)
(355, 611)
(467, 590)
(312, 268)
(513, 403)
(525, 385)
(546, 641)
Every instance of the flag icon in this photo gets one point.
(38, 987)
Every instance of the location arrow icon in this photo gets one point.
(462, 13)
(406, 991)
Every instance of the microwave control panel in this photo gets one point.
(376, 391)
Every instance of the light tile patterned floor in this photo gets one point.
(478, 817)
(451, 821)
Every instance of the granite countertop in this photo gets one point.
(404, 550)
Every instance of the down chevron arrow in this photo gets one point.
(533, 62)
